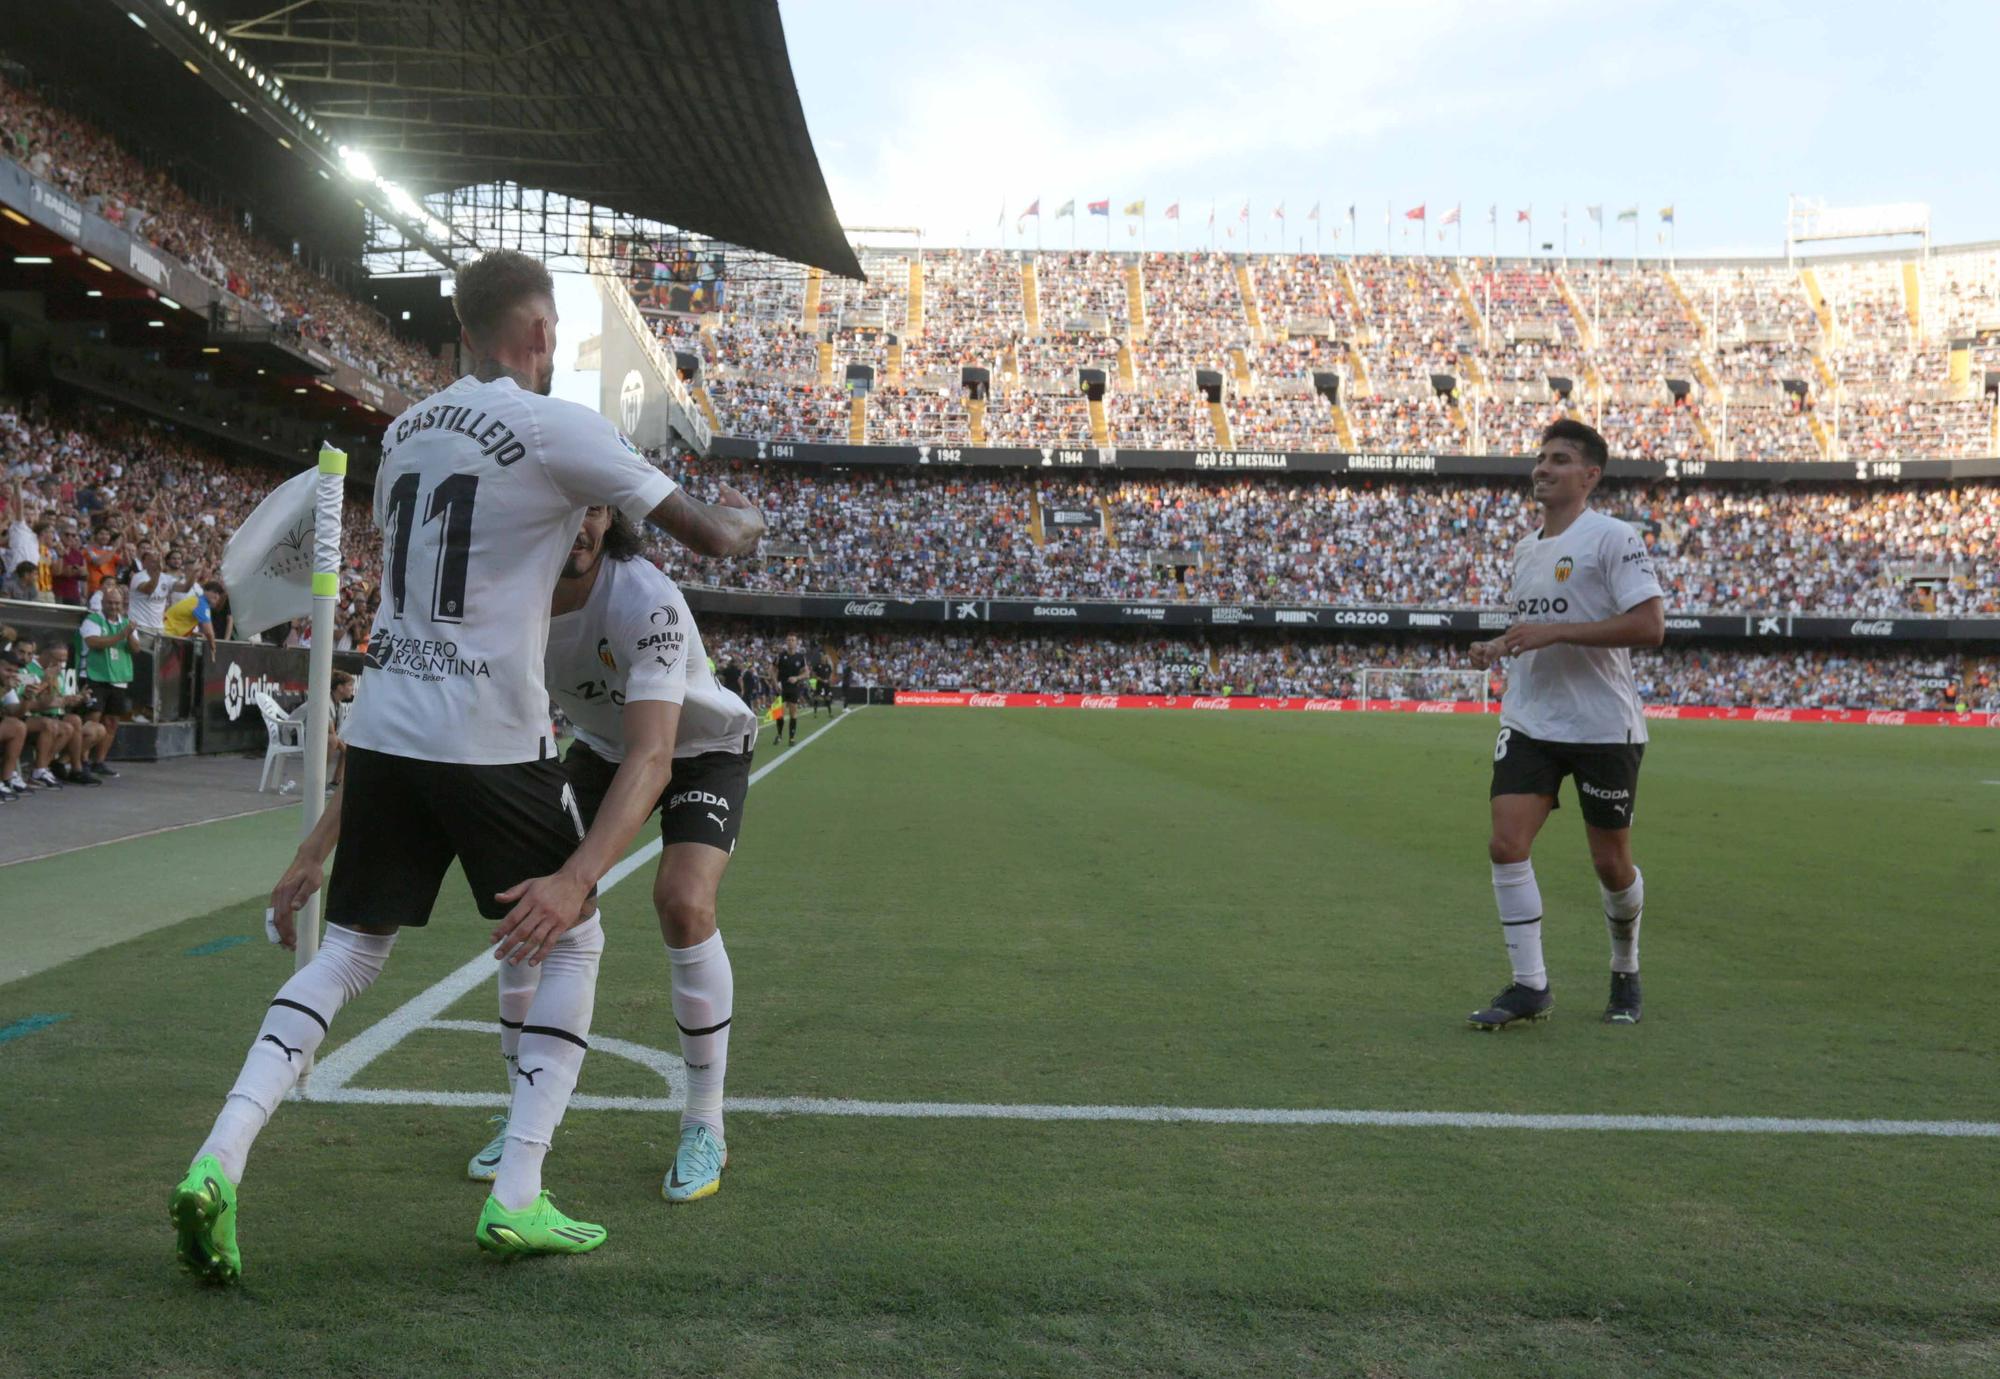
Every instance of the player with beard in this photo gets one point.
(1584, 593)
(479, 496)
(626, 664)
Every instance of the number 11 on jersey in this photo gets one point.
(450, 505)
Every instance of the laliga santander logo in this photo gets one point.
(238, 689)
(631, 400)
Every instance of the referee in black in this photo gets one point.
(791, 686)
(822, 682)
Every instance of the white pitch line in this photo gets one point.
(331, 1074)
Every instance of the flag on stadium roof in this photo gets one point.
(1493, 214)
(1034, 209)
(1244, 214)
(1174, 211)
(1629, 213)
(1278, 211)
(1450, 217)
(1414, 213)
(1313, 214)
(1067, 208)
(1596, 213)
(1528, 215)
(1136, 207)
(1666, 215)
(1099, 207)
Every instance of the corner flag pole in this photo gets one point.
(319, 676)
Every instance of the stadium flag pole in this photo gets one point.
(319, 675)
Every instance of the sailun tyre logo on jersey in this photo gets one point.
(631, 400)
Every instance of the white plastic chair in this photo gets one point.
(284, 737)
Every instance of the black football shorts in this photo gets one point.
(703, 803)
(403, 822)
(1607, 774)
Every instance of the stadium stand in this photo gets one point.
(109, 181)
(1833, 360)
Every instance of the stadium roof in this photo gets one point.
(680, 111)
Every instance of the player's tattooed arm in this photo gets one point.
(729, 526)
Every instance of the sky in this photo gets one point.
(953, 118)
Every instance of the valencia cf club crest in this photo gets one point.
(604, 653)
(1563, 567)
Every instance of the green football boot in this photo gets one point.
(203, 1210)
(536, 1229)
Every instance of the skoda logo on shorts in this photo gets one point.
(631, 400)
(1563, 567)
(232, 691)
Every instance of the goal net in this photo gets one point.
(1393, 684)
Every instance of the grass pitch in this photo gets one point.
(1173, 909)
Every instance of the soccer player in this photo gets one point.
(479, 496)
(791, 685)
(1584, 593)
(626, 664)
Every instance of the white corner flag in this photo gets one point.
(323, 519)
(267, 565)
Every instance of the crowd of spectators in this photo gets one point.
(972, 313)
(1001, 659)
(109, 181)
(1834, 549)
(1619, 332)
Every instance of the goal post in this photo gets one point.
(1398, 684)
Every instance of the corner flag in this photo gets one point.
(268, 563)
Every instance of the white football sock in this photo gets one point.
(517, 991)
(553, 1040)
(346, 964)
(1622, 912)
(704, 996)
(1520, 902)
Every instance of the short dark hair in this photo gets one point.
(621, 538)
(494, 284)
(214, 586)
(1595, 451)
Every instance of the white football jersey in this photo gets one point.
(481, 492)
(1597, 569)
(634, 638)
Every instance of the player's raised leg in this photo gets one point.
(704, 998)
(203, 1206)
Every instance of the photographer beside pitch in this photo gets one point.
(626, 664)
(1584, 594)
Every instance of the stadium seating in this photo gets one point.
(1777, 363)
(110, 181)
